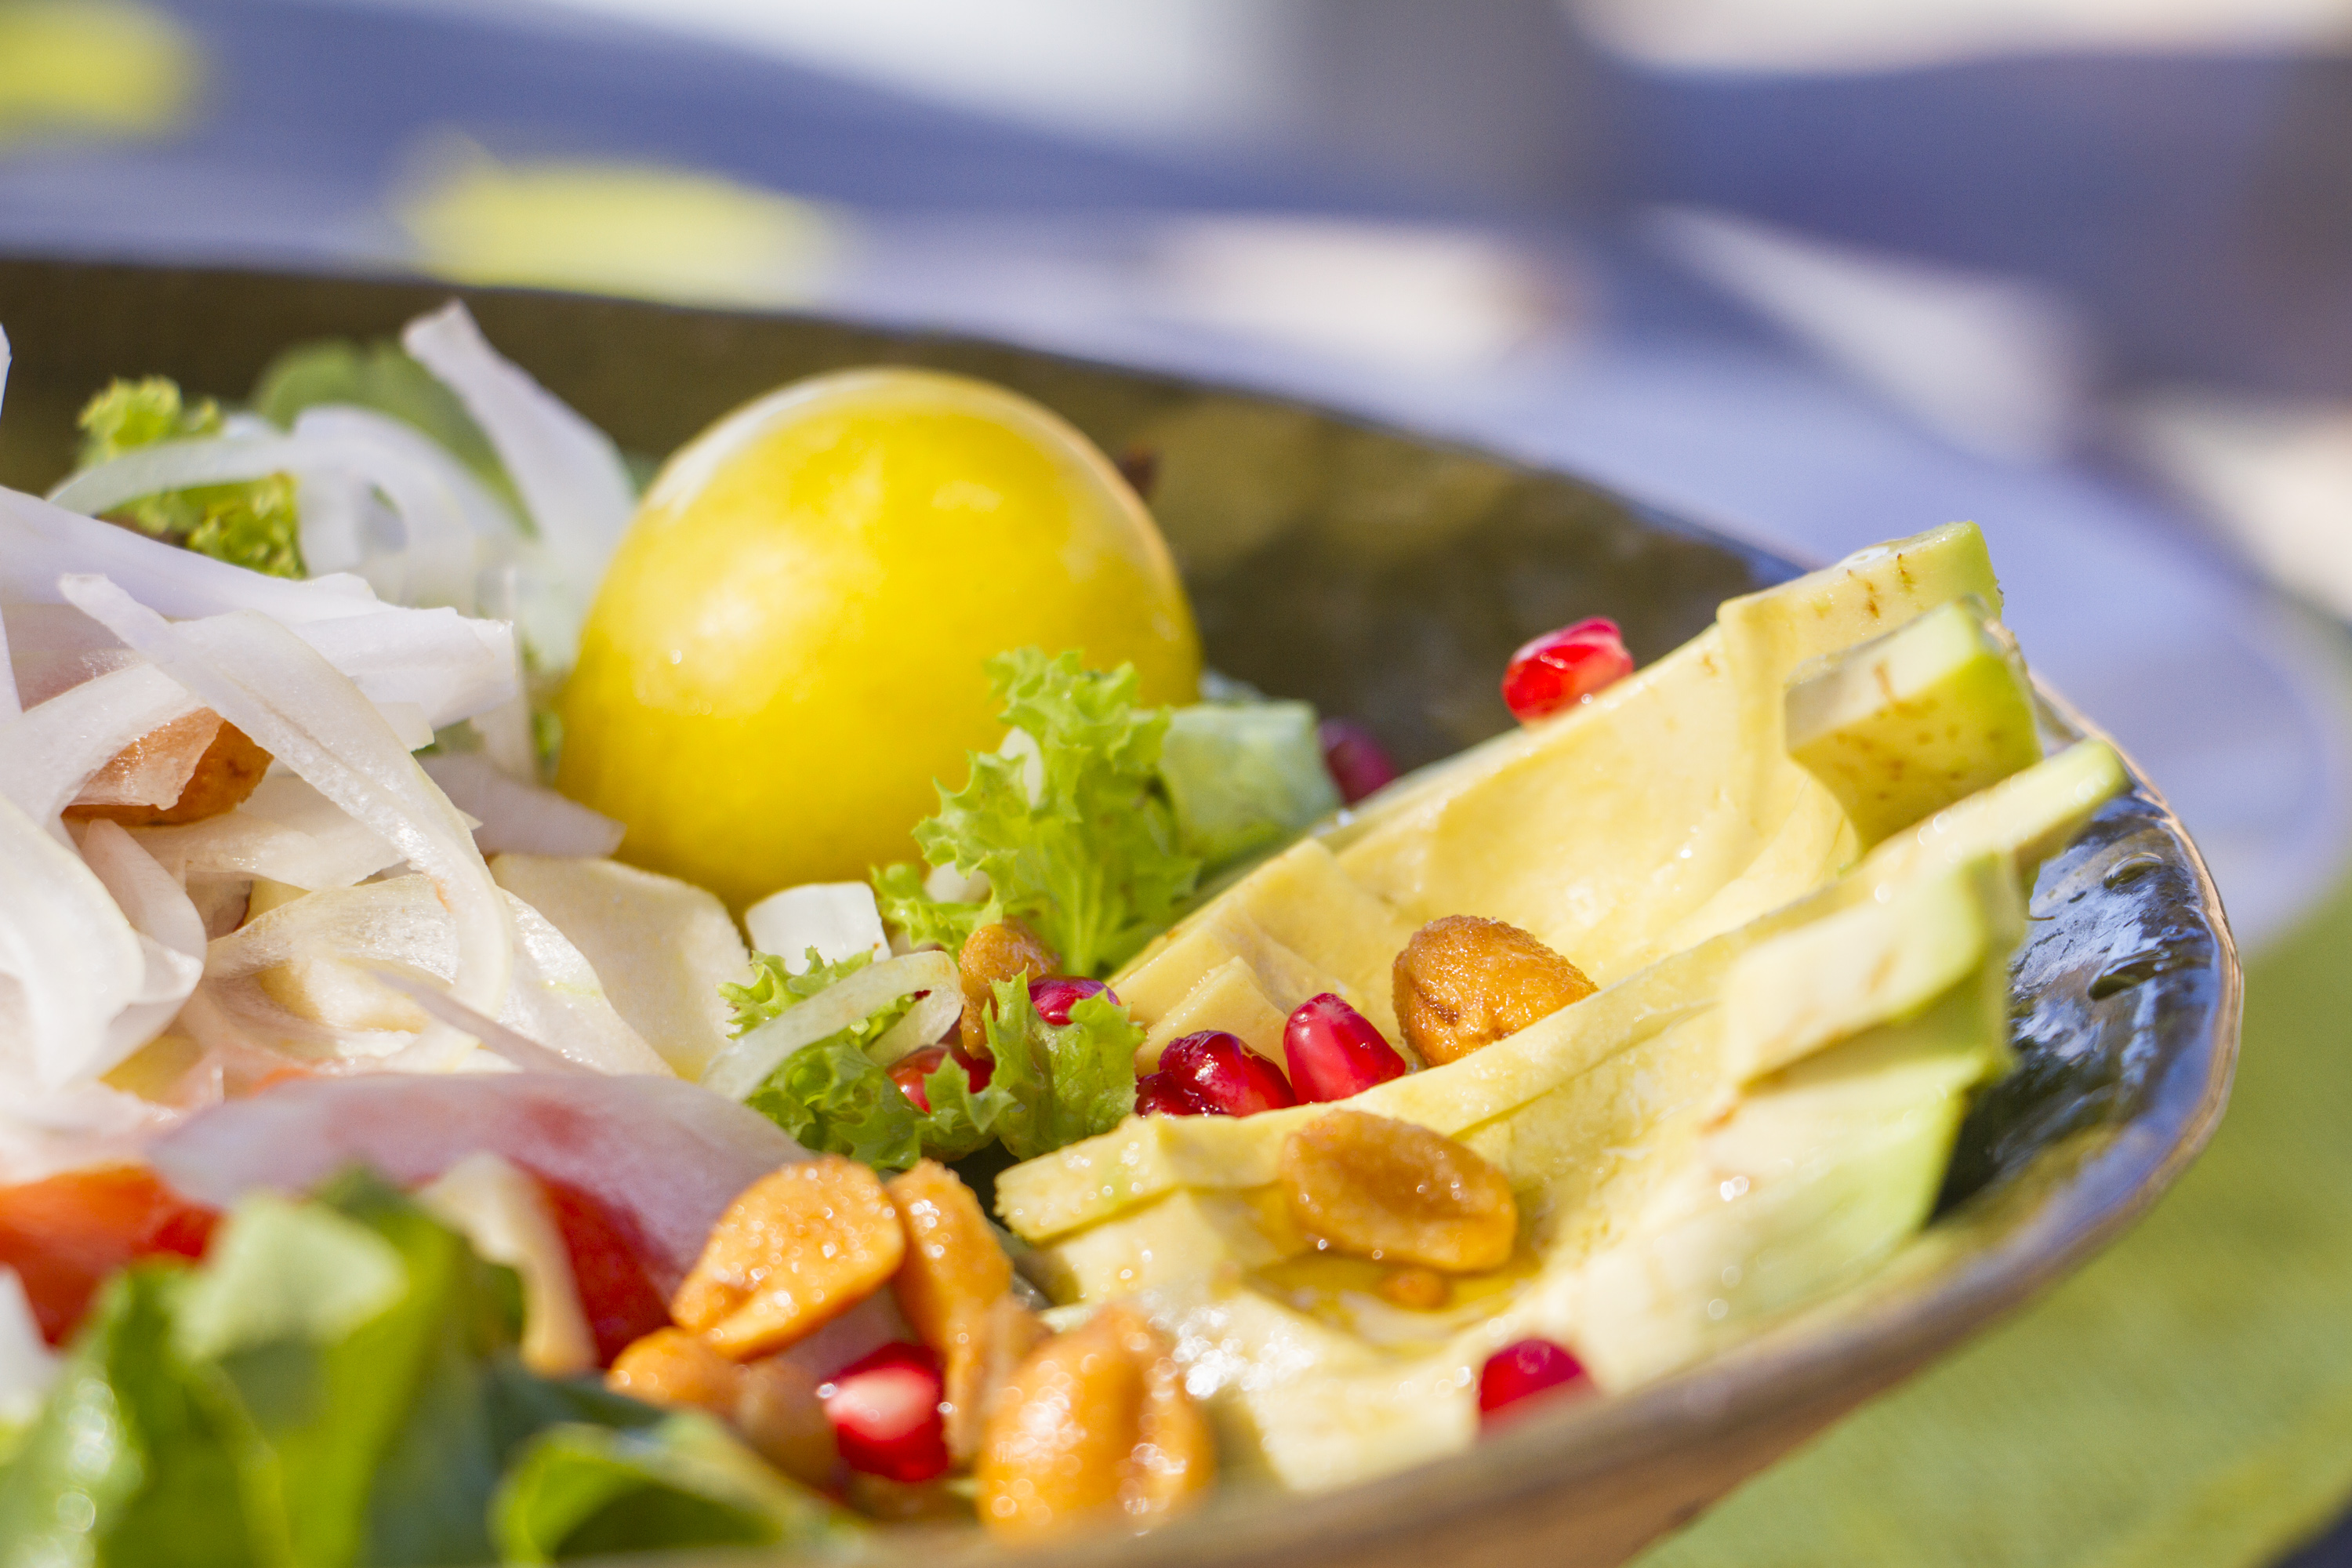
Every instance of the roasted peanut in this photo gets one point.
(1397, 1192)
(778, 1412)
(992, 954)
(954, 1287)
(1417, 1289)
(1095, 1424)
(773, 1402)
(672, 1367)
(1463, 983)
(228, 770)
(796, 1249)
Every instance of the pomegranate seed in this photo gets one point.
(885, 1410)
(1356, 761)
(1164, 1094)
(1521, 1370)
(1334, 1051)
(1225, 1076)
(909, 1072)
(1564, 667)
(1054, 998)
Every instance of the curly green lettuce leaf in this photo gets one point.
(1052, 1085)
(252, 525)
(924, 920)
(1070, 827)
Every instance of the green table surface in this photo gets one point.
(2185, 1402)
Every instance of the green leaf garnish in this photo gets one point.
(1077, 838)
(252, 525)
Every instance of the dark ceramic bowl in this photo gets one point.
(1388, 577)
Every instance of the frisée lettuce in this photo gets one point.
(253, 524)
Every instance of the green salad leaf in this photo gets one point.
(1244, 777)
(1071, 829)
(1052, 1085)
(336, 1385)
(581, 1491)
(252, 525)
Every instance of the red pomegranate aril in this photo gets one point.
(1521, 1372)
(1356, 761)
(1334, 1051)
(1164, 1094)
(608, 1256)
(885, 1410)
(1561, 669)
(911, 1071)
(1054, 998)
(1224, 1075)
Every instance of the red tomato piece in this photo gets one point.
(64, 1234)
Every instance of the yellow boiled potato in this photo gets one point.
(787, 649)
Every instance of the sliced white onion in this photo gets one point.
(435, 563)
(279, 690)
(520, 817)
(333, 946)
(11, 704)
(27, 1365)
(658, 1149)
(450, 666)
(69, 961)
(81, 1125)
(484, 514)
(285, 831)
(568, 473)
(170, 933)
(745, 1065)
(838, 918)
(52, 749)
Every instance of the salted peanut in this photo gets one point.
(773, 1403)
(671, 1367)
(778, 1412)
(955, 1288)
(1397, 1192)
(229, 770)
(992, 953)
(1463, 983)
(1095, 1426)
(796, 1249)
(1416, 1288)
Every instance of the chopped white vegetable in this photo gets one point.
(70, 964)
(519, 817)
(52, 749)
(500, 1209)
(661, 947)
(275, 688)
(839, 919)
(746, 1064)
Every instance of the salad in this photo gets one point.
(555, 1005)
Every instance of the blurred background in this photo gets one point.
(1818, 272)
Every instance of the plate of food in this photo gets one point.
(628, 930)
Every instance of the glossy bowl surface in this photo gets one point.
(1388, 577)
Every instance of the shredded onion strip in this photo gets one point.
(275, 688)
(746, 1064)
